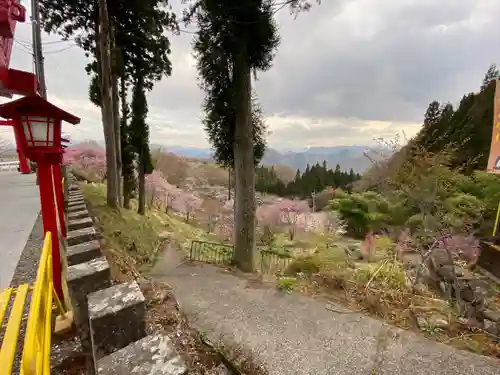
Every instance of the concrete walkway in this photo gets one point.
(297, 335)
(19, 208)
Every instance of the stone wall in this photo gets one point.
(109, 317)
(489, 258)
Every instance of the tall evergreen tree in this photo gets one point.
(432, 114)
(139, 138)
(246, 35)
(138, 35)
(491, 74)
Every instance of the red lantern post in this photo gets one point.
(12, 81)
(24, 167)
(38, 123)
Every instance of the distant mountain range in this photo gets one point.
(346, 156)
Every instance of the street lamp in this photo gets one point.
(38, 123)
(41, 132)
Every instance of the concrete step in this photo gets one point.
(81, 223)
(154, 354)
(83, 252)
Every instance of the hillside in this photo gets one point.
(346, 156)
(181, 170)
(465, 131)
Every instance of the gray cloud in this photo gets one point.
(346, 72)
(381, 63)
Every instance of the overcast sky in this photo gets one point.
(345, 73)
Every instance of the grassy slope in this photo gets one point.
(132, 241)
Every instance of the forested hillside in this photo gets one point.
(313, 180)
(436, 184)
(465, 130)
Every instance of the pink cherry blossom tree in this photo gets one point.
(188, 204)
(163, 194)
(286, 214)
(90, 159)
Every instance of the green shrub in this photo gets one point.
(306, 265)
(287, 284)
(363, 212)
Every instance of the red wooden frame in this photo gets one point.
(12, 81)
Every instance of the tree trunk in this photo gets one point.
(116, 111)
(244, 184)
(107, 105)
(127, 189)
(229, 184)
(142, 189)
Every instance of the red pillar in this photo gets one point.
(59, 195)
(23, 162)
(49, 218)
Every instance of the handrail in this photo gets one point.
(37, 342)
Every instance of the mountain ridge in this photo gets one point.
(346, 156)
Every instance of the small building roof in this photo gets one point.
(37, 106)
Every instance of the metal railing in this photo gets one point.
(274, 261)
(269, 261)
(37, 343)
(9, 165)
(36, 349)
(9, 343)
(211, 252)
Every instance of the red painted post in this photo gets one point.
(50, 218)
(23, 162)
(59, 194)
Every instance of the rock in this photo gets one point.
(422, 322)
(492, 315)
(220, 370)
(443, 285)
(492, 327)
(446, 272)
(439, 321)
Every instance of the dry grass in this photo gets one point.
(381, 290)
(131, 241)
(135, 240)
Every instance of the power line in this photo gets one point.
(60, 50)
(23, 47)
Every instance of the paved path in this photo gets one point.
(19, 207)
(297, 335)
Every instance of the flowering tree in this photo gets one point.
(187, 204)
(87, 158)
(160, 192)
(211, 207)
(284, 213)
(291, 211)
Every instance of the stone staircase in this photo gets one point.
(109, 318)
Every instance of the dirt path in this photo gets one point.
(297, 335)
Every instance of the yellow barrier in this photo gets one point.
(37, 342)
(9, 344)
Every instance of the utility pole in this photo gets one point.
(37, 47)
(38, 52)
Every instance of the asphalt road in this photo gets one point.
(19, 207)
(297, 335)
